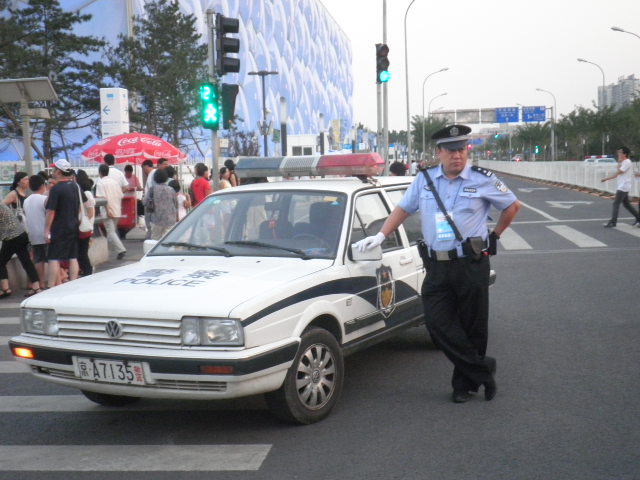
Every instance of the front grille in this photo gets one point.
(187, 385)
(135, 331)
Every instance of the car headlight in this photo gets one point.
(212, 331)
(39, 320)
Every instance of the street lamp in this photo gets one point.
(423, 119)
(430, 101)
(406, 70)
(553, 124)
(601, 104)
(618, 29)
(262, 74)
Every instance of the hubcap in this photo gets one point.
(315, 376)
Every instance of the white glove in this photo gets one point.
(369, 242)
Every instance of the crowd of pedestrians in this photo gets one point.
(41, 216)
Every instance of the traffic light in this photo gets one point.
(537, 149)
(210, 106)
(226, 45)
(382, 63)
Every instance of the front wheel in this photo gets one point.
(109, 400)
(314, 381)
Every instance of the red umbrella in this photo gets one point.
(134, 148)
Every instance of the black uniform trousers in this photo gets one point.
(455, 296)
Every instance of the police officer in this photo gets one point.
(455, 292)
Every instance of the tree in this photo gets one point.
(162, 64)
(430, 126)
(36, 41)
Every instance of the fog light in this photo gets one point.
(216, 369)
(23, 352)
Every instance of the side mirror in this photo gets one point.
(148, 245)
(375, 254)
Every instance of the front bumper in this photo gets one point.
(169, 372)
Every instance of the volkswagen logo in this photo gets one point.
(113, 329)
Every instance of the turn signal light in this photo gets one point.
(23, 352)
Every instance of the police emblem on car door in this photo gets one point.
(386, 290)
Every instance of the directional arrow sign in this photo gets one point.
(106, 110)
(529, 190)
(566, 205)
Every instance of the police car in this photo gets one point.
(256, 291)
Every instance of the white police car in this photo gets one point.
(256, 291)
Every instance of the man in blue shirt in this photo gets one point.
(455, 292)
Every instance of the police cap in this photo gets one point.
(452, 137)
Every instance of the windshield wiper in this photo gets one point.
(194, 246)
(251, 243)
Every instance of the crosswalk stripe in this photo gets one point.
(133, 458)
(576, 237)
(9, 321)
(13, 367)
(47, 403)
(510, 240)
(539, 212)
(79, 403)
(4, 341)
(635, 231)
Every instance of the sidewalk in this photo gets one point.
(133, 242)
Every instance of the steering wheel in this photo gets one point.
(313, 237)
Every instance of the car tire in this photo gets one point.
(109, 400)
(314, 381)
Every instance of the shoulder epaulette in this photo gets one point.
(481, 170)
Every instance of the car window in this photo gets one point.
(370, 214)
(412, 224)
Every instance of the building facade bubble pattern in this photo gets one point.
(298, 39)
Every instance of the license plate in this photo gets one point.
(109, 371)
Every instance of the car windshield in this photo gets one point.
(273, 223)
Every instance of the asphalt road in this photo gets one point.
(564, 328)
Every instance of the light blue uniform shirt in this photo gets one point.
(468, 197)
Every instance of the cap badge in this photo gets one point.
(454, 131)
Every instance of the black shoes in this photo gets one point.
(461, 397)
(610, 225)
(490, 389)
(121, 255)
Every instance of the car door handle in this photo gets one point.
(405, 260)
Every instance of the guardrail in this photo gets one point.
(577, 174)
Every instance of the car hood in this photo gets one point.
(173, 286)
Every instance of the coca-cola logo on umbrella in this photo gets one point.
(134, 148)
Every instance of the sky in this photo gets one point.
(497, 51)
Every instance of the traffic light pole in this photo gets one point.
(215, 160)
(385, 98)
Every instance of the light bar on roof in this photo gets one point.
(367, 164)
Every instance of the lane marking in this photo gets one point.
(133, 458)
(576, 237)
(14, 367)
(510, 240)
(9, 321)
(567, 205)
(626, 228)
(539, 212)
(532, 189)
